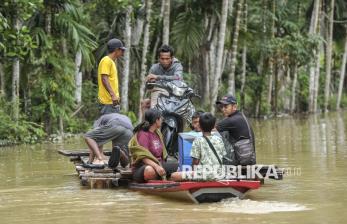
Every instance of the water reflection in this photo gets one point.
(41, 186)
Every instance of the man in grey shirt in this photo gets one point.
(109, 127)
(168, 68)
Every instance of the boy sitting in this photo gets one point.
(207, 151)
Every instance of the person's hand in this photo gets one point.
(160, 170)
(151, 77)
(115, 100)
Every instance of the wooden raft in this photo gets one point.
(120, 177)
(97, 178)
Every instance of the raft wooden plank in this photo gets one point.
(80, 168)
(126, 174)
(75, 159)
(100, 175)
(99, 183)
(82, 152)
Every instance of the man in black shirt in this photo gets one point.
(235, 126)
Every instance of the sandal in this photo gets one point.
(115, 157)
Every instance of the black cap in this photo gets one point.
(228, 99)
(114, 44)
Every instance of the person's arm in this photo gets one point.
(178, 73)
(151, 76)
(142, 139)
(106, 83)
(195, 153)
(226, 124)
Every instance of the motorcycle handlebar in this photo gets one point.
(151, 85)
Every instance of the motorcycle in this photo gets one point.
(176, 107)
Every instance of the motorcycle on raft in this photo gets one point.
(176, 107)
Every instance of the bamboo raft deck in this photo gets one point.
(96, 178)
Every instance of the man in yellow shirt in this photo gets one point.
(108, 93)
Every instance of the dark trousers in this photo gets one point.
(138, 173)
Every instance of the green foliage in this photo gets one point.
(277, 32)
(22, 131)
(13, 32)
(52, 87)
(303, 93)
(187, 34)
(132, 116)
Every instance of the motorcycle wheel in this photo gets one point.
(170, 139)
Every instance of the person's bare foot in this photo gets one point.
(98, 161)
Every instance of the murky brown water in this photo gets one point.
(39, 186)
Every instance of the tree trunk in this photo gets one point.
(78, 77)
(271, 59)
(15, 88)
(138, 28)
(205, 78)
(295, 79)
(277, 73)
(320, 50)
(212, 66)
(166, 21)
(61, 126)
(270, 82)
(231, 79)
(2, 80)
(313, 30)
(125, 79)
(48, 21)
(155, 49)
(208, 58)
(342, 74)
(329, 46)
(220, 50)
(144, 53)
(244, 59)
(156, 45)
(16, 78)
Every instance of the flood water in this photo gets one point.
(40, 186)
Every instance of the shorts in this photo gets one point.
(119, 135)
(108, 109)
(138, 173)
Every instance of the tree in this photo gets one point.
(144, 52)
(313, 74)
(244, 57)
(231, 80)
(220, 49)
(329, 46)
(166, 21)
(342, 73)
(126, 72)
